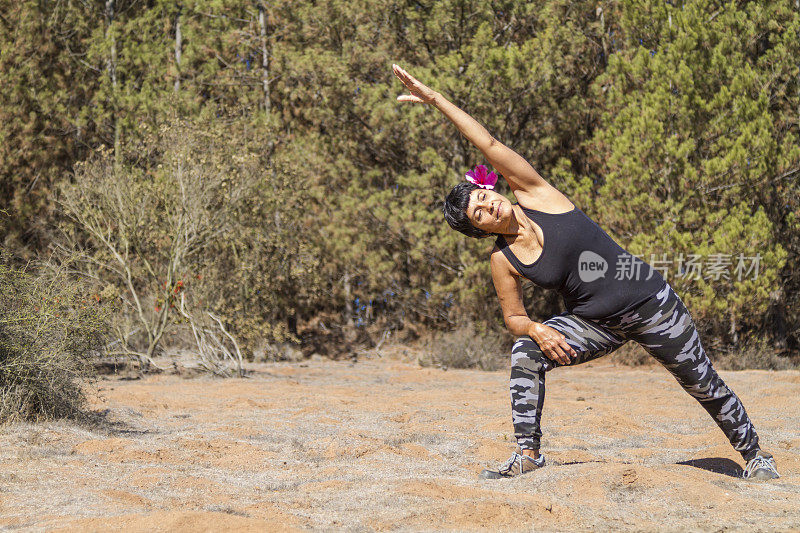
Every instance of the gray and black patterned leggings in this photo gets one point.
(664, 327)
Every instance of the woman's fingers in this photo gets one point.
(403, 77)
(553, 351)
(555, 346)
(565, 351)
(399, 71)
(567, 348)
(419, 93)
(402, 74)
(411, 79)
(410, 98)
(561, 357)
(407, 79)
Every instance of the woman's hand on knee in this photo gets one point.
(553, 344)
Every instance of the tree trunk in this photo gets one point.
(262, 23)
(350, 333)
(111, 67)
(603, 40)
(178, 46)
(348, 300)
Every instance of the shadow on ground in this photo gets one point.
(718, 465)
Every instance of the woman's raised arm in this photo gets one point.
(513, 167)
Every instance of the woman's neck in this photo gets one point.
(518, 222)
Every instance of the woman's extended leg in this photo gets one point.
(664, 327)
(529, 364)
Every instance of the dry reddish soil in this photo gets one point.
(384, 444)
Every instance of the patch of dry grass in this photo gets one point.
(466, 347)
(385, 445)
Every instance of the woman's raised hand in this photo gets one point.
(420, 93)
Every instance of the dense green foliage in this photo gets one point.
(673, 124)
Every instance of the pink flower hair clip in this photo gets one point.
(481, 177)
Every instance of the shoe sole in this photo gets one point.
(762, 474)
(492, 474)
(488, 474)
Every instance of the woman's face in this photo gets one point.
(489, 211)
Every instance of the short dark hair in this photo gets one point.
(455, 210)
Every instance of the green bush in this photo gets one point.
(49, 331)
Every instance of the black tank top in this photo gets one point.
(595, 276)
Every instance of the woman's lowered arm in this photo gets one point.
(509, 291)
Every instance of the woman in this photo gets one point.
(547, 239)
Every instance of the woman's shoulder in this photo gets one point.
(497, 254)
(498, 258)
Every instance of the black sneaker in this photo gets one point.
(761, 467)
(516, 465)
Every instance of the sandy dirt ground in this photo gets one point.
(387, 445)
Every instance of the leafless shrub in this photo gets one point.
(195, 209)
(754, 353)
(279, 351)
(217, 350)
(144, 228)
(632, 354)
(467, 347)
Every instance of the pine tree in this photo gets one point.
(689, 141)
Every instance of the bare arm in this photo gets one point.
(509, 290)
(514, 168)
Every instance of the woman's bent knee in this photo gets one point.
(526, 355)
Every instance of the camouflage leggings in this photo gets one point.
(663, 326)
